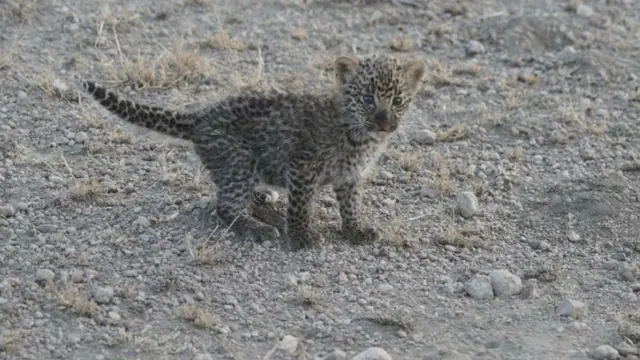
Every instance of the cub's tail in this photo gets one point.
(151, 117)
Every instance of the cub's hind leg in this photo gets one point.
(233, 170)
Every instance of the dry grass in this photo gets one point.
(72, 298)
(299, 34)
(176, 66)
(87, 190)
(120, 136)
(22, 11)
(441, 175)
(12, 339)
(221, 40)
(307, 297)
(200, 317)
(453, 133)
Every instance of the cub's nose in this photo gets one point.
(383, 120)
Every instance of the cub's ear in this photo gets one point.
(414, 71)
(345, 68)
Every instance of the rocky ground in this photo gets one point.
(509, 205)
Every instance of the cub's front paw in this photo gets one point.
(360, 234)
(298, 239)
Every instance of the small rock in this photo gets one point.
(573, 236)
(425, 137)
(59, 85)
(479, 287)
(474, 48)
(289, 344)
(143, 221)
(605, 352)
(103, 295)
(114, 315)
(56, 179)
(203, 356)
(47, 228)
(45, 275)
(386, 174)
(572, 308)
(373, 353)
(77, 276)
(22, 95)
(504, 283)
(624, 348)
(584, 10)
(467, 204)
(385, 288)
(336, 354)
(7, 211)
(389, 202)
(343, 278)
(81, 137)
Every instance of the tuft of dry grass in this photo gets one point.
(454, 133)
(23, 11)
(307, 297)
(200, 317)
(221, 40)
(173, 67)
(299, 34)
(72, 298)
(441, 176)
(11, 339)
(87, 190)
(402, 44)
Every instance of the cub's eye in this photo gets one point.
(367, 99)
(397, 101)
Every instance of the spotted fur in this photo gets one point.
(298, 142)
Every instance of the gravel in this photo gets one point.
(508, 204)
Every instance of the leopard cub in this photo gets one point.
(294, 141)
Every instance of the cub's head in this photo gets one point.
(375, 93)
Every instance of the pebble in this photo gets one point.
(114, 315)
(584, 10)
(479, 287)
(22, 95)
(59, 85)
(77, 276)
(143, 221)
(45, 275)
(203, 356)
(56, 179)
(505, 283)
(81, 137)
(388, 202)
(289, 344)
(336, 354)
(572, 308)
(7, 211)
(373, 353)
(386, 174)
(47, 228)
(573, 236)
(474, 48)
(385, 288)
(103, 295)
(467, 203)
(425, 137)
(605, 352)
(625, 348)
